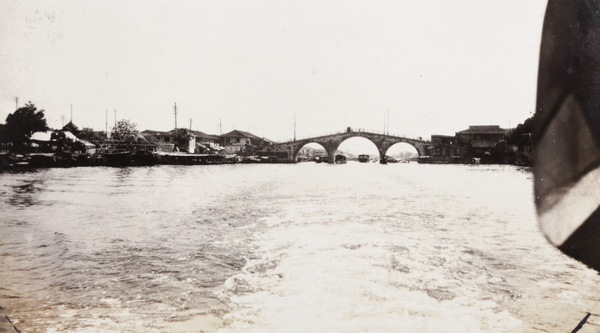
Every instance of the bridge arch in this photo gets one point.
(402, 149)
(330, 147)
(359, 145)
(303, 144)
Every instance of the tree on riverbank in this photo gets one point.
(521, 135)
(25, 121)
(125, 130)
(181, 138)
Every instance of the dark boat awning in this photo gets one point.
(567, 129)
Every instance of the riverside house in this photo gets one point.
(203, 142)
(481, 142)
(477, 143)
(242, 143)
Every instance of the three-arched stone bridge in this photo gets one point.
(288, 151)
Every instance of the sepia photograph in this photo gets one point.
(299, 166)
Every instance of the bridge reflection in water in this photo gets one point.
(288, 151)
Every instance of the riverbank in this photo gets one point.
(115, 158)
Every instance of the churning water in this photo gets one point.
(284, 248)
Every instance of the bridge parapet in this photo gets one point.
(359, 130)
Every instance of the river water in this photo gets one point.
(284, 248)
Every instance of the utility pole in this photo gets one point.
(71, 113)
(16, 103)
(388, 122)
(175, 113)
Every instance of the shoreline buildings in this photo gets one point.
(487, 144)
(71, 146)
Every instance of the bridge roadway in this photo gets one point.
(288, 151)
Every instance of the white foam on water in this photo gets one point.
(316, 278)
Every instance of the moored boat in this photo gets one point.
(180, 158)
(340, 159)
(10, 160)
(363, 158)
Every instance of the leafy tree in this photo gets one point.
(125, 130)
(522, 133)
(4, 137)
(25, 121)
(182, 138)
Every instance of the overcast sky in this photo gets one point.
(437, 66)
